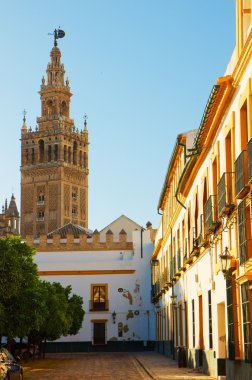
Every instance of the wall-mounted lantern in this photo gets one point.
(226, 260)
(114, 316)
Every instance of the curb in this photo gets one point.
(147, 370)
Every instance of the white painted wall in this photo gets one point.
(141, 326)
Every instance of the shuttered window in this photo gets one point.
(243, 242)
(230, 319)
(245, 296)
(210, 319)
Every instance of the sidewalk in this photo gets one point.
(159, 367)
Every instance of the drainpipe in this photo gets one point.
(194, 152)
(142, 229)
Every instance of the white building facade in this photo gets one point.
(113, 277)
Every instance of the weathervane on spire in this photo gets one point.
(58, 33)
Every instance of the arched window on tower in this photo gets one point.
(33, 156)
(64, 108)
(26, 156)
(56, 152)
(69, 155)
(49, 107)
(80, 158)
(49, 153)
(85, 160)
(75, 153)
(65, 153)
(41, 150)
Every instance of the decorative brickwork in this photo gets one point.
(53, 196)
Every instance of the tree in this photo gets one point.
(76, 312)
(63, 315)
(31, 307)
(18, 283)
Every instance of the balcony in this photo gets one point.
(40, 202)
(195, 248)
(250, 160)
(241, 175)
(98, 305)
(211, 221)
(40, 219)
(244, 232)
(187, 258)
(179, 259)
(226, 197)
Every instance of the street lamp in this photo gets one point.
(226, 260)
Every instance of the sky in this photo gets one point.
(142, 71)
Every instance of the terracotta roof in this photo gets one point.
(70, 228)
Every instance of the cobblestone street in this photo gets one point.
(108, 366)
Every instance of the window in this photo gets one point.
(120, 329)
(75, 153)
(26, 156)
(49, 153)
(193, 322)
(65, 153)
(74, 195)
(41, 150)
(33, 156)
(230, 318)
(41, 216)
(74, 212)
(55, 153)
(69, 154)
(246, 321)
(210, 319)
(99, 295)
(244, 232)
(41, 199)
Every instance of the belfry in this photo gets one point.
(54, 160)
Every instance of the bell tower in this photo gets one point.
(54, 159)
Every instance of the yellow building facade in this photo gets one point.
(202, 261)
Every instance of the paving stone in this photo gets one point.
(108, 366)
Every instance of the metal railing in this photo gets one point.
(242, 232)
(178, 259)
(98, 305)
(250, 160)
(241, 174)
(210, 209)
(226, 193)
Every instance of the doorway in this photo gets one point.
(99, 333)
(221, 330)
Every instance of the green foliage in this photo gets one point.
(76, 312)
(18, 278)
(29, 306)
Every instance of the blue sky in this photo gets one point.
(142, 70)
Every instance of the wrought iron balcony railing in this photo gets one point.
(210, 209)
(226, 197)
(241, 175)
(242, 232)
(250, 160)
(179, 259)
(99, 305)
